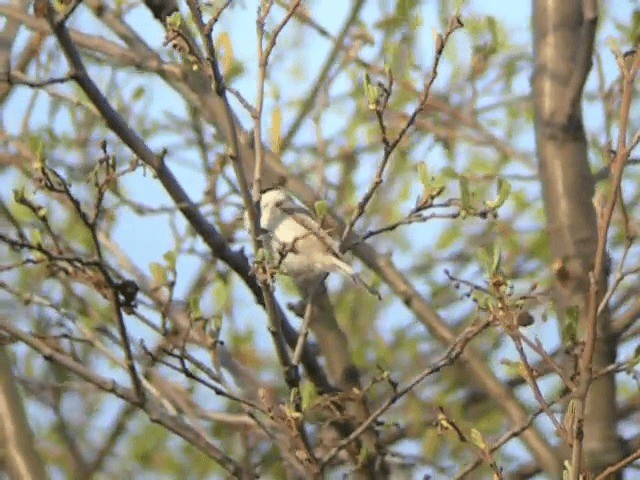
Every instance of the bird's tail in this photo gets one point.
(357, 279)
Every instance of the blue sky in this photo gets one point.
(145, 248)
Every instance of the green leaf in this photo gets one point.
(449, 172)
(19, 194)
(170, 257)
(448, 238)
(194, 306)
(504, 190)
(221, 295)
(36, 145)
(483, 301)
(492, 26)
(512, 368)
(614, 46)
(364, 453)
(478, 439)
(36, 238)
(41, 212)
(159, 273)
(570, 327)
(486, 260)
(308, 395)
(321, 208)
(423, 175)
(138, 93)
(465, 194)
(634, 33)
(224, 47)
(276, 129)
(174, 20)
(497, 259)
(569, 415)
(371, 93)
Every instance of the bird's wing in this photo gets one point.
(301, 217)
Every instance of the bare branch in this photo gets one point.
(108, 385)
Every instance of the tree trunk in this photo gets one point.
(21, 459)
(563, 45)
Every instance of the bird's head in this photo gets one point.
(270, 201)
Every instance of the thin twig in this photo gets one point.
(312, 97)
(450, 356)
(306, 321)
(213, 69)
(628, 460)
(586, 358)
(389, 146)
(506, 437)
(172, 423)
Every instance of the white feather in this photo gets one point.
(296, 243)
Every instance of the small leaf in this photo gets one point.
(512, 367)
(465, 195)
(59, 6)
(504, 190)
(447, 239)
(486, 261)
(224, 42)
(478, 439)
(41, 213)
(364, 453)
(308, 395)
(194, 306)
(19, 195)
(443, 422)
(449, 172)
(423, 175)
(321, 207)
(276, 129)
(36, 238)
(437, 40)
(614, 46)
(570, 327)
(170, 257)
(493, 28)
(158, 272)
(371, 93)
(497, 260)
(569, 415)
(138, 93)
(522, 371)
(221, 295)
(634, 33)
(36, 145)
(174, 20)
(484, 302)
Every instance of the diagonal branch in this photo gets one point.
(173, 423)
(212, 66)
(312, 96)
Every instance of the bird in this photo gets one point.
(297, 243)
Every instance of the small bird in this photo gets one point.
(297, 243)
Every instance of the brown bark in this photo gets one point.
(563, 45)
(21, 459)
